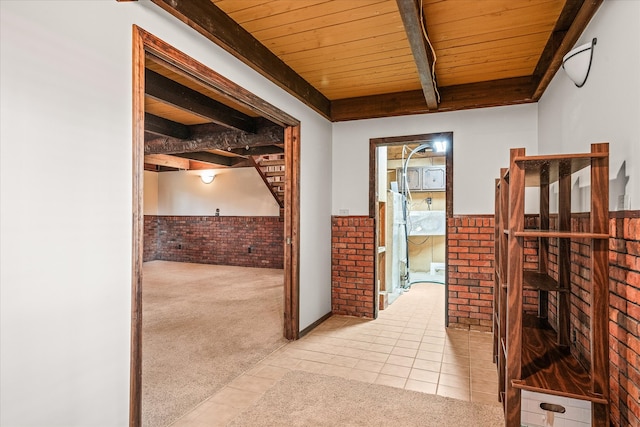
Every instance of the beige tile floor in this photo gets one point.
(407, 346)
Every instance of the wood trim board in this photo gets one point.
(144, 44)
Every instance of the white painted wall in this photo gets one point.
(236, 192)
(65, 270)
(481, 143)
(607, 107)
(150, 193)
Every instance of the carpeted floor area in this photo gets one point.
(203, 325)
(310, 399)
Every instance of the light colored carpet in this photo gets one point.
(203, 325)
(309, 399)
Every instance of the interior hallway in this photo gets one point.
(406, 347)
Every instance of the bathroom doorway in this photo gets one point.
(411, 199)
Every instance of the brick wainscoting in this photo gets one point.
(150, 239)
(470, 271)
(624, 306)
(352, 264)
(624, 317)
(215, 240)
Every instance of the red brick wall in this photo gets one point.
(580, 318)
(150, 238)
(352, 264)
(624, 308)
(217, 240)
(624, 318)
(470, 271)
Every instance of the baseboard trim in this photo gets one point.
(312, 326)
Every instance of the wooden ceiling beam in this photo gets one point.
(220, 140)
(196, 165)
(214, 24)
(164, 127)
(164, 160)
(493, 93)
(573, 20)
(171, 92)
(257, 151)
(410, 12)
(204, 156)
(375, 106)
(473, 95)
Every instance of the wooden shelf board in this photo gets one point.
(561, 234)
(540, 281)
(549, 158)
(555, 165)
(548, 368)
(591, 398)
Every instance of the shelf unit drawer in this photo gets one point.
(577, 412)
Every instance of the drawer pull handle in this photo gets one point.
(553, 408)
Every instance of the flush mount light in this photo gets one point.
(577, 63)
(207, 177)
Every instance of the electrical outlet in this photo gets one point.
(428, 200)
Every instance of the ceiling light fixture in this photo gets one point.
(577, 63)
(207, 177)
(440, 146)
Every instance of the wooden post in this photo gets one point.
(543, 242)
(600, 283)
(514, 289)
(564, 253)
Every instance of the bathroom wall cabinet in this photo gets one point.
(532, 356)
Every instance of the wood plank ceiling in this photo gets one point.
(374, 58)
(357, 59)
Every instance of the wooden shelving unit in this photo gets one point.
(529, 353)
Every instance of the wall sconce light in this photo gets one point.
(207, 177)
(577, 63)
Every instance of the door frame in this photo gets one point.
(374, 143)
(144, 44)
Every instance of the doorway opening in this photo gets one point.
(411, 197)
(226, 95)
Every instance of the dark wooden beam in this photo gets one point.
(220, 140)
(165, 160)
(257, 151)
(413, 25)
(214, 24)
(473, 95)
(387, 105)
(574, 18)
(164, 127)
(166, 90)
(493, 93)
(204, 156)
